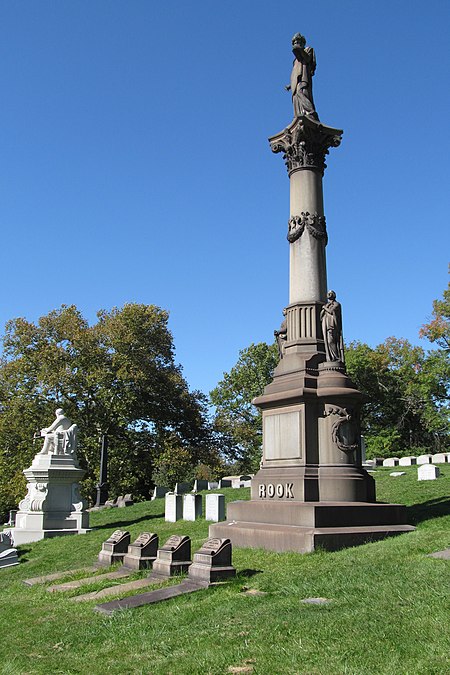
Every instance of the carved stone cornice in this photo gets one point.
(314, 223)
(305, 143)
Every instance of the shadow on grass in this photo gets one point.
(249, 573)
(433, 508)
(127, 521)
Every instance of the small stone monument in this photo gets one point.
(225, 483)
(213, 485)
(407, 461)
(141, 553)
(159, 492)
(424, 459)
(125, 501)
(174, 557)
(174, 507)
(200, 485)
(114, 548)
(8, 554)
(440, 458)
(428, 472)
(391, 461)
(53, 505)
(182, 488)
(192, 506)
(212, 562)
(215, 507)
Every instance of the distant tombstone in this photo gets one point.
(212, 562)
(391, 461)
(192, 506)
(12, 518)
(396, 474)
(125, 501)
(407, 461)
(159, 492)
(182, 488)
(8, 554)
(114, 548)
(141, 553)
(111, 503)
(378, 461)
(424, 459)
(440, 458)
(174, 507)
(246, 483)
(174, 557)
(235, 483)
(213, 485)
(225, 483)
(200, 485)
(215, 507)
(427, 472)
(245, 478)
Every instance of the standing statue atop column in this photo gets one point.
(331, 318)
(301, 78)
(60, 437)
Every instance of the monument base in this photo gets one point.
(303, 527)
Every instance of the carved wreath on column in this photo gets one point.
(314, 223)
(345, 430)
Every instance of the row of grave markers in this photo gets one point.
(201, 485)
(439, 458)
(190, 507)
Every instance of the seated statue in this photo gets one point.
(60, 437)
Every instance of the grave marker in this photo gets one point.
(200, 485)
(215, 507)
(114, 548)
(407, 461)
(141, 553)
(391, 461)
(159, 491)
(192, 506)
(212, 562)
(427, 472)
(174, 507)
(174, 557)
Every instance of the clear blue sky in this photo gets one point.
(134, 163)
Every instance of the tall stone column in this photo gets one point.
(311, 488)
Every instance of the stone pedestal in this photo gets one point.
(311, 489)
(53, 505)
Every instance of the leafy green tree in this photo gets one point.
(117, 377)
(236, 420)
(438, 329)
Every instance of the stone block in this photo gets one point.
(141, 553)
(424, 459)
(440, 458)
(407, 461)
(159, 492)
(396, 474)
(391, 461)
(182, 488)
(200, 485)
(215, 507)
(427, 472)
(174, 507)
(213, 485)
(174, 557)
(192, 506)
(114, 548)
(125, 501)
(212, 562)
(225, 483)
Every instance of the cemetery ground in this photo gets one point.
(387, 612)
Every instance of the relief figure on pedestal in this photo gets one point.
(60, 437)
(301, 78)
(331, 319)
(281, 336)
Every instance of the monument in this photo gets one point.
(53, 505)
(311, 489)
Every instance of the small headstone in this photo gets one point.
(182, 488)
(215, 507)
(174, 507)
(114, 548)
(246, 483)
(440, 458)
(174, 557)
(427, 472)
(141, 553)
(395, 474)
(213, 485)
(200, 485)
(125, 501)
(212, 562)
(424, 459)
(111, 503)
(225, 483)
(192, 506)
(378, 461)
(407, 461)
(12, 518)
(391, 461)
(8, 554)
(159, 491)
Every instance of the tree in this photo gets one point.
(117, 377)
(438, 329)
(236, 420)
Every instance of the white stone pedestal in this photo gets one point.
(53, 505)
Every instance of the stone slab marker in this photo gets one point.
(391, 461)
(424, 459)
(192, 507)
(159, 491)
(174, 507)
(182, 488)
(200, 485)
(311, 410)
(427, 472)
(174, 557)
(212, 562)
(407, 461)
(440, 458)
(114, 548)
(8, 554)
(141, 553)
(215, 507)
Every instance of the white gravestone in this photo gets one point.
(215, 507)
(174, 507)
(391, 461)
(213, 485)
(427, 472)
(440, 458)
(407, 461)
(8, 554)
(192, 506)
(424, 459)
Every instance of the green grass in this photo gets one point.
(388, 613)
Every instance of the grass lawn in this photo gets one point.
(389, 608)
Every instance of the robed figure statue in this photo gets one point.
(301, 78)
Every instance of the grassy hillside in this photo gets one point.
(388, 613)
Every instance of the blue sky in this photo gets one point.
(134, 163)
